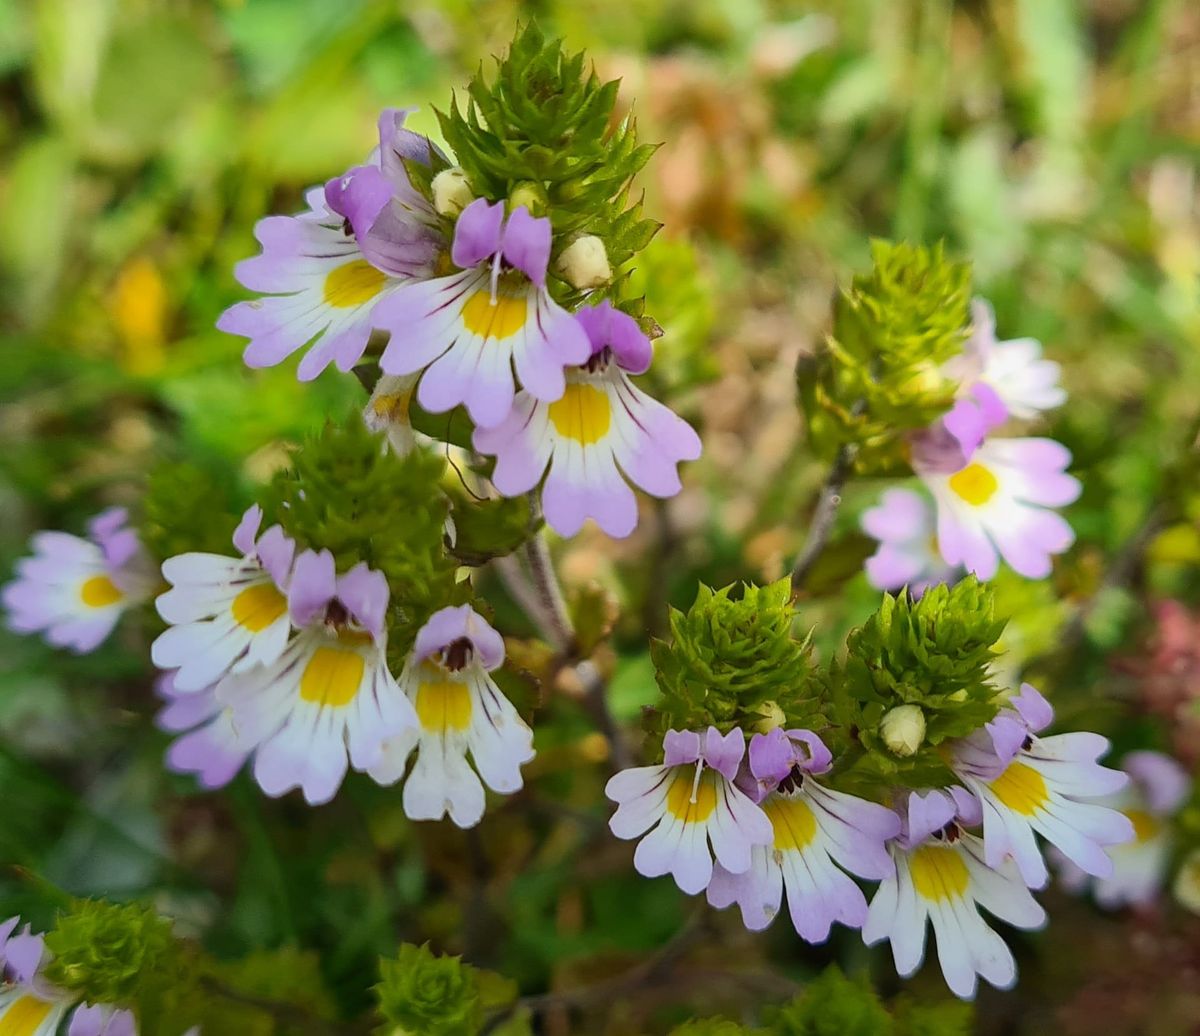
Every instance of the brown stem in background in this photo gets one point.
(822, 519)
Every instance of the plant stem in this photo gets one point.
(822, 520)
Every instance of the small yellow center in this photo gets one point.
(352, 284)
(938, 873)
(692, 807)
(443, 706)
(583, 414)
(256, 607)
(23, 1016)
(793, 820)
(393, 407)
(974, 484)
(1145, 825)
(100, 592)
(1021, 788)
(334, 674)
(501, 318)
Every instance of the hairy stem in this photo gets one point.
(822, 520)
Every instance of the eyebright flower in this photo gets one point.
(29, 1005)
(330, 691)
(690, 801)
(1025, 383)
(941, 876)
(325, 270)
(102, 1020)
(459, 710)
(1027, 783)
(387, 411)
(904, 524)
(600, 433)
(74, 590)
(995, 504)
(816, 830)
(1158, 787)
(209, 746)
(226, 614)
(471, 328)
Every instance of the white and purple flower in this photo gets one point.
(226, 614)
(904, 523)
(324, 271)
(601, 434)
(459, 711)
(819, 834)
(469, 330)
(1158, 787)
(1025, 383)
(73, 590)
(943, 878)
(690, 801)
(29, 1005)
(1029, 784)
(996, 503)
(329, 694)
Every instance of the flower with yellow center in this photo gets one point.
(600, 435)
(73, 590)
(226, 614)
(1029, 784)
(460, 713)
(941, 878)
(690, 802)
(818, 835)
(998, 504)
(328, 700)
(470, 331)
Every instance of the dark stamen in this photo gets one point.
(458, 654)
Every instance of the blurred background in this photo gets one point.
(1052, 142)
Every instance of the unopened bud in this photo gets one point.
(451, 192)
(772, 715)
(387, 411)
(1187, 882)
(529, 194)
(903, 729)
(583, 264)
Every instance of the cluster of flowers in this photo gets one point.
(772, 825)
(32, 1006)
(464, 312)
(274, 654)
(992, 497)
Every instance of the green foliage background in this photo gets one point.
(1053, 143)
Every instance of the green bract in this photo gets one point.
(346, 494)
(933, 654)
(735, 663)
(833, 1005)
(710, 1027)
(543, 134)
(186, 508)
(878, 374)
(427, 995)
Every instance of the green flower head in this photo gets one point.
(423, 994)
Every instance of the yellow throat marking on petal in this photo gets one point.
(23, 1016)
(334, 673)
(352, 284)
(974, 484)
(393, 406)
(1021, 788)
(793, 821)
(583, 414)
(1145, 825)
(256, 607)
(501, 318)
(680, 800)
(100, 592)
(443, 706)
(938, 873)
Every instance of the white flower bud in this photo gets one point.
(1187, 882)
(772, 717)
(903, 729)
(451, 192)
(583, 264)
(387, 411)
